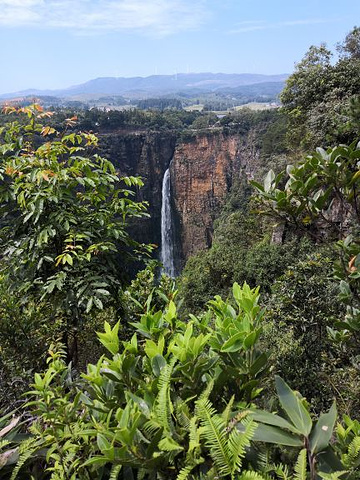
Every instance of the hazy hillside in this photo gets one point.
(158, 85)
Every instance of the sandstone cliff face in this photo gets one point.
(147, 155)
(202, 173)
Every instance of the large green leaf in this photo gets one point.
(293, 407)
(234, 343)
(272, 419)
(270, 434)
(328, 462)
(259, 364)
(157, 364)
(322, 432)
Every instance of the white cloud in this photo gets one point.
(253, 25)
(155, 17)
(20, 3)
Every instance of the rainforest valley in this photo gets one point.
(241, 360)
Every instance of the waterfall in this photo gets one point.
(167, 233)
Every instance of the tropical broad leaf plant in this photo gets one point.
(322, 191)
(297, 429)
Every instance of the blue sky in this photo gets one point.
(59, 43)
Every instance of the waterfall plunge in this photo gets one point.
(167, 233)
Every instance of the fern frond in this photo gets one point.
(227, 412)
(114, 473)
(182, 413)
(168, 444)
(151, 427)
(163, 405)
(184, 472)
(263, 462)
(214, 434)
(250, 475)
(26, 450)
(281, 471)
(300, 466)
(353, 454)
(238, 441)
(4, 443)
(265, 467)
(194, 434)
(206, 393)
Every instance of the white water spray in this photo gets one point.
(167, 233)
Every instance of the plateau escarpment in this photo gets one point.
(204, 168)
(147, 154)
(203, 173)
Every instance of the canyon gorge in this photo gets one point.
(202, 166)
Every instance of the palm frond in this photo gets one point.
(300, 466)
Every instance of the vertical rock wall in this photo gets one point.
(147, 155)
(203, 171)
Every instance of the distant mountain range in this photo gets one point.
(159, 85)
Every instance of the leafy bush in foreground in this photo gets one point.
(160, 403)
(177, 401)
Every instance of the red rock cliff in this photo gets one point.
(203, 171)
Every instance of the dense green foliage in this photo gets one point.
(159, 104)
(317, 94)
(149, 405)
(240, 251)
(175, 401)
(63, 215)
(65, 245)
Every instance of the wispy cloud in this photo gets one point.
(253, 25)
(155, 17)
